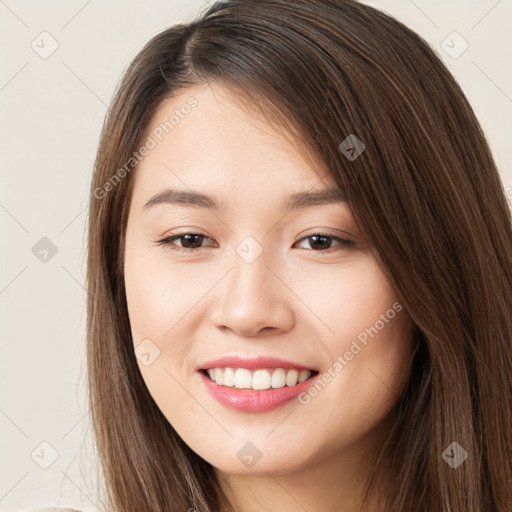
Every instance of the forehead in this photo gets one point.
(203, 135)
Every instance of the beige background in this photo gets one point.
(52, 111)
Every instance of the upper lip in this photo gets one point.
(252, 364)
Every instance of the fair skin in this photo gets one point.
(298, 301)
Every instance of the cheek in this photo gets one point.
(158, 297)
(165, 307)
(157, 294)
(348, 299)
(367, 341)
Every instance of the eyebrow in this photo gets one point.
(198, 200)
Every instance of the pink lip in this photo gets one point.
(252, 364)
(250, 400)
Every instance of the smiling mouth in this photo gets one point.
(258, 379)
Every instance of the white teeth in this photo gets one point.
(261, 379)
(278, 378)
(242, 378)
(304, 375)
(292, 377)
(229, 377)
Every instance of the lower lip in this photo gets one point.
(250, 400)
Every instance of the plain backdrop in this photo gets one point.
(53, 105)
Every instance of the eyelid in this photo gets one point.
(343, 235)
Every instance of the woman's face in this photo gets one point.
(251, 280)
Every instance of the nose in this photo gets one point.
(253, 301)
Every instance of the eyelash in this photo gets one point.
(343, 243)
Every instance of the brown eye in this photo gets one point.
(189, 241)
(322, 242)
(318, 242)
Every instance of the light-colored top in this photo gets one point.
(54, 509)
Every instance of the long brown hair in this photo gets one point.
(426, 194)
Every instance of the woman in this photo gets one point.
(299, 273)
